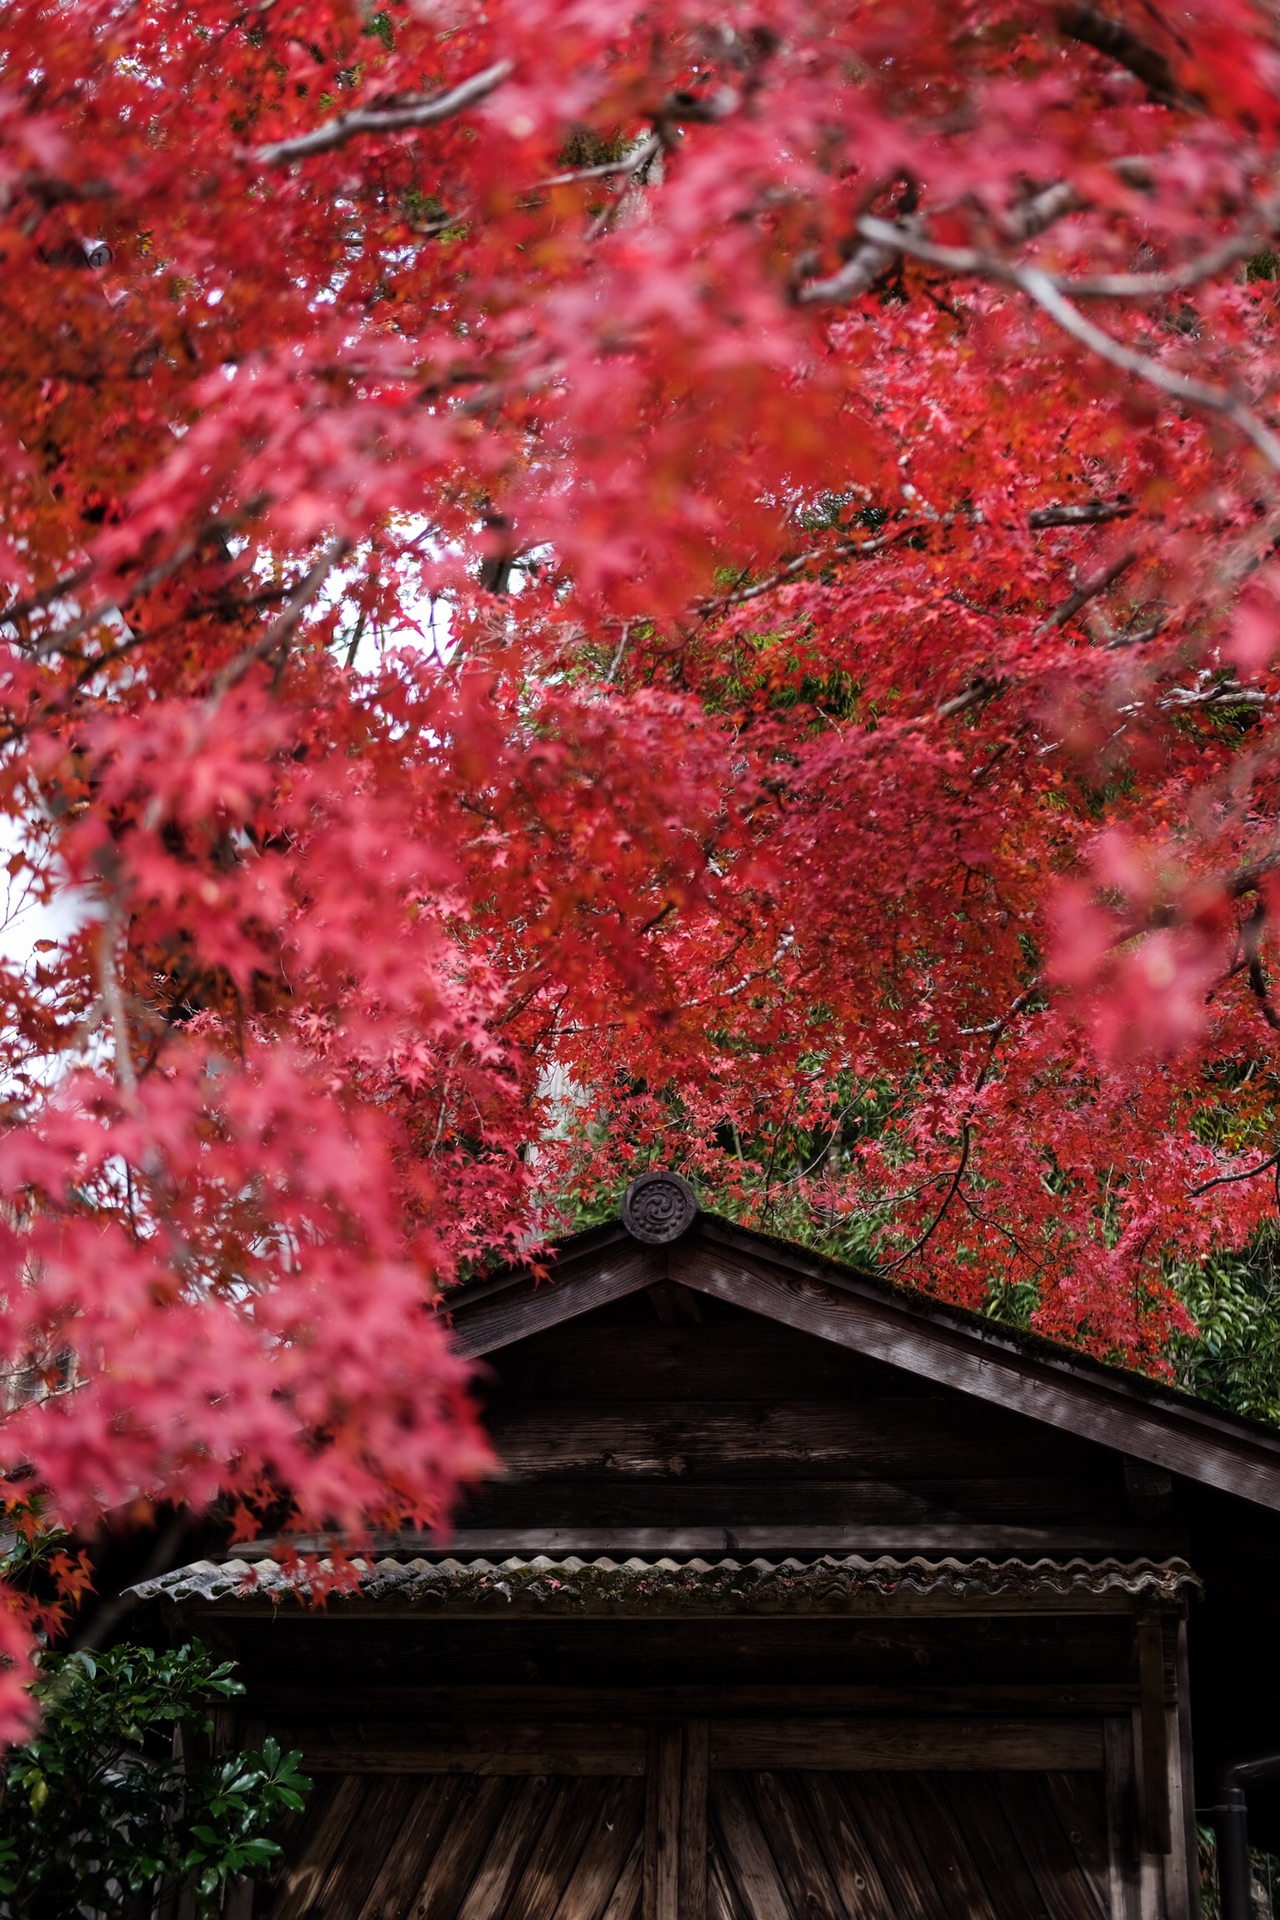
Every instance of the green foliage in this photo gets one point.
(1234, 1299)
(119, 1797)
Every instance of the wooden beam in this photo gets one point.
(903, 1746)
(660, 1897)
(526, 1306)
(694, 1782)
(926, 1536)
(1112, 1414)
(1156, 1834)
(574, 1748)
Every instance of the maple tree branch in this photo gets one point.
(422, 111)
(1087, 590)
(280, 632)
(1119, 43)
(1091, 513)
(918, 1246)
(1179, 386)
(888, 235)
(630, 163)
(1230, 1179)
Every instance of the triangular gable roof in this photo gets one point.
(948, 1345)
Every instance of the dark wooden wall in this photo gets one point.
(616, 1421)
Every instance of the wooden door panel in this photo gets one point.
(469, 1847)
(780, 1844)
(907, 1846)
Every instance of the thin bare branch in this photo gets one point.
(1090, 513)
(1230, 1179)
(1088, 590)
(278, 635)
(422, 111)
(1191, 392)
(1117, 42)
(630, 163)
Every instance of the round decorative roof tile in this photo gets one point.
(658, 1207)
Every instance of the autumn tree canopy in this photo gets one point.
(586, 584)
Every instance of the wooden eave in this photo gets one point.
(946, 1345)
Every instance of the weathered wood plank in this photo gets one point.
(798, 1535)
(1185, 1440)
(401, 1873)
(551, 1860)
(890, 1745)
(963, 1889)
(782, 1819)
(979, 1809)
(624, 1902)
(1079, 1800)
(528, 1307)
(722, 1897)
(319, 1872)
(1122, 1819)
(1154, 1769)
(373, 1836)
(452, 1866)
(564, 1748)
(1182, 1880)
(739, 1357)
(694, 1786)
(616, 1501)
(518, 1832)
(843, 1846)
(890, 1839)
(661, 1895)
(746, 1854)
(614, 1838)
(395, 1708)
(768, 1439)
(947, 1650)
(1064, 1888)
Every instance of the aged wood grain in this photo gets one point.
(694, 1787)
(518, 1831)
(624, 1902)
(401, 1872)
(843, 1846)
(890, 1838)
(583, 1747)
(964, 1890)
(1120, 1786)
(517, 1311)
(767, 1438)
(451, 1868)
(800, 1535)
(320, 1871)
(881, 1745)
(384, 1813)
(1065, 1890)
(1184, 1439)
(1080, 1804)
(979, 1808)
(615, 1835)
(661, 1896)
(747, 1857)
(781, 1816)
(722, 1898)
(1154, 1768)
(549, 1866)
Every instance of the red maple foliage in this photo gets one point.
(587, 583)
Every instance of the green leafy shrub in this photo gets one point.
(120, 1799)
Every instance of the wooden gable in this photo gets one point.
(797, 1597)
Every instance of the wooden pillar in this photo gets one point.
(675, 1830)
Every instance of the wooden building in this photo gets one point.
(800, 1597)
